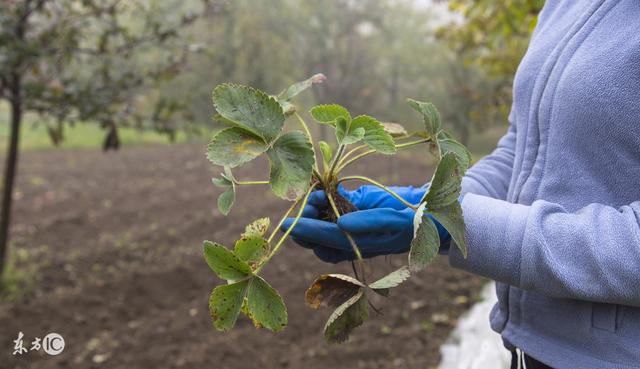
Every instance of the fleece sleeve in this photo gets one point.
(491, 175)
(590, 254)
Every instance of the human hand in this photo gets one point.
(382, 225)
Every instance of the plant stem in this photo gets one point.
(336, 159)
(284, 217)
(351, 152)
(318, 175)
(355, 158)
(380, 185)
(413, 143)
(308, 132)
(344, 163)
(352, 242)
(304, 126)
(286, 234)
(251, 182)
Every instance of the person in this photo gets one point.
(553, 214)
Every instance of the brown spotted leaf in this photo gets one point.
(265, 306)
(257, 227)
(452, 220)
(225, 263)
(391, 280)
(430, 115)
(251, 248)
(225, 303)
(235, 146)
(446, 183)
(331, 290)
(346, 317)
(291, 158)
(447, 144)
(250, 109)
(426, 241)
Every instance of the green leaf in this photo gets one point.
(426, 241)
(446, 183)
(228, 197)
(430, 114)
(222, 121)
(375, 135)
(221, 182)
(228, 174)
(265, 306)
(452, 220)
(351, 314)
(225, 303)
(250, 109)
(328, 114)
(234, 146)
(345, 135)
(226, 200)
(395, 129)
(391, 280)
(449, 144)
(331, 290)
(291, 158)
(257, 227)
(342, 129)
(251, 248)
(327, 153)
(299, 87)
(225, 263)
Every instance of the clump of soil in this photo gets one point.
(344, 206)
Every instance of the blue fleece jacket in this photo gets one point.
(553, 214)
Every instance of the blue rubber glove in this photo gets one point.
(381, 226)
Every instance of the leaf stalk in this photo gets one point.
(247, 183)
(286, 234)
(336, 159)
(308, 132)
(344, 163)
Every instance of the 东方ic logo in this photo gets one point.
(53, 344)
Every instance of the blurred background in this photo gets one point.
(105, 111)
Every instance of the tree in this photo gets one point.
(83, 60)
(493, 35)
(361, 46)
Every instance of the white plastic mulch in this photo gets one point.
(472, 344)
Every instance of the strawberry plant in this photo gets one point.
(255, 126)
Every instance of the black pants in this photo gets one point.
(528, 361)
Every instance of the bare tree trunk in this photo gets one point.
(10, 169)
(112, 139)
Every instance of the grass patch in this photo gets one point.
(19, 276)
(83, 136)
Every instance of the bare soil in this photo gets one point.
(113, 242)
